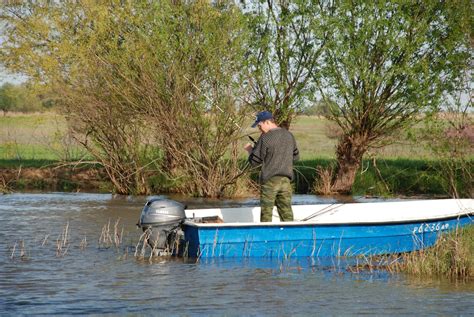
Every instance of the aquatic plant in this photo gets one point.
(45, 240)
(108, 239)
(6, 186)
(322, 183)
(21, 250)
(142, 243)
(83, 243)
(62, 242)
(3, 186)
(451, 256)
(149, 240)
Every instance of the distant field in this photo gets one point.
(38, 136)
(43, 137)
(310, 134)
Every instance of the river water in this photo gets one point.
(75, 254)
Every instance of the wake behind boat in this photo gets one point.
(318, 230)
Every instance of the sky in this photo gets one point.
(6, 77)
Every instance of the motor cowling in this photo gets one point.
(162, 218)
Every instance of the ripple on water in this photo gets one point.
(95, 280)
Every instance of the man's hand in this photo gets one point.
(248, 147)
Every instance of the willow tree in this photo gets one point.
(67, 47)
(386, 63)
(450, 137)
(141, 83)
(283, 55)
(193, 81)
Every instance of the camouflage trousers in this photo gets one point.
(276, 192)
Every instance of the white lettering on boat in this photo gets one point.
(431, 227)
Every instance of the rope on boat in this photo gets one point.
(323, 211)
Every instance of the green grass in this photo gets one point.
(14, 163)
(310, 134)
(389, 177)
(24, 152)
(41, 136)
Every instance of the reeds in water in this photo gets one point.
(45, 240)
(322, 184)
(108, 239)
(452, 256)
(65, 243)
(151, 240)
(62, 242)
(20, 246)
(140, 248)
(83, 243)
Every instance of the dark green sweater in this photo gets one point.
(276, 151)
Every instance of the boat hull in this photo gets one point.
(314, 240)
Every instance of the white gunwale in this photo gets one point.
(372, 213)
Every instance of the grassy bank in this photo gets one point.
(389, 177)
(41, 142)
(51, 176)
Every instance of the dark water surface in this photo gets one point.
(99, 278)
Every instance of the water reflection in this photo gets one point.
(104, 279)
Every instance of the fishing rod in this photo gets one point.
(325, 210)
(252, 139)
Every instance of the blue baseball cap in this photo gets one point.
(262, 116)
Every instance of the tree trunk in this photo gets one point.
(350, 151)
(169, 162)
(283, 121)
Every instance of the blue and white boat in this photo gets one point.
(321, 230)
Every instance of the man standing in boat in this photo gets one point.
(275, 151)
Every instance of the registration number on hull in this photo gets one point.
(430, 227)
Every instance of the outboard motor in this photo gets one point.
(163, 217)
